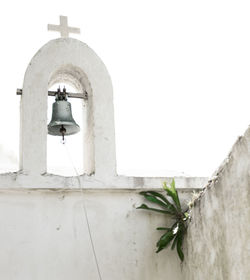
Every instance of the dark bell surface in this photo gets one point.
(62, 115)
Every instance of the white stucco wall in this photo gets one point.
(44, 233)
(217, 245)
(44, 236)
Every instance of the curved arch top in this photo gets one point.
(72, 61)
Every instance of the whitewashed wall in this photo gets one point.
(217, 243)
(44, 235)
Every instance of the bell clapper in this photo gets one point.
(63, 131)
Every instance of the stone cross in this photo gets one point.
(63, 28)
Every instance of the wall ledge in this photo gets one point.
(20, 180)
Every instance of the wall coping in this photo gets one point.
(20, 180)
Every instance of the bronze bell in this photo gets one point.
(62, 122)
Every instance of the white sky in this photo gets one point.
(180, 72)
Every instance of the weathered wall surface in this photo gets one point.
(217, 245)
(44, 236)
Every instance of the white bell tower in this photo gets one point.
(71, 61)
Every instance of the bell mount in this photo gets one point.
(54, 93)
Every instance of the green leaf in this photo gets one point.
(163, 228)
(171, 191)
(145, 207)
(155, 200)
(162, 197)
(182, 227)
(179, 246)
(159, 249)
(172, 184)
(174, 243)
(164, 241)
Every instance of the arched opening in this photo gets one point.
(66, 157)
(74, 156)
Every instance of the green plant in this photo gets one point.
(172, 208)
